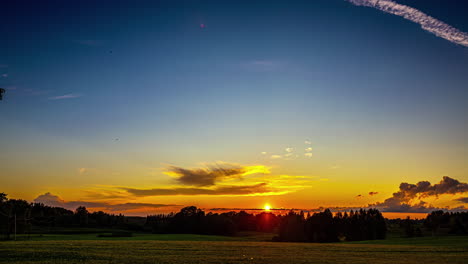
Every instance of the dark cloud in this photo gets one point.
(260, 188)
(402, 201)
(424, 189)
(213, 173)
(373, 193)
(54, 200)
(462, 200)
(358, 196)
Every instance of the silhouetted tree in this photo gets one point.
(324, 227)
(81, 214)
(292, 228)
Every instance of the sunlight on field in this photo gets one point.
(73, 251)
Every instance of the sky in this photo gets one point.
(148, 106)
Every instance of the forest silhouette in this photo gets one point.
(21, 217)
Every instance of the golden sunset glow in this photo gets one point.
(200, 125)
(234, 131)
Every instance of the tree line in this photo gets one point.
(326, 227)
(193, 220)
(21, 217)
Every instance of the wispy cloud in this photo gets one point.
(291, 153)
(233, 190)
(55, 201)
(373, 193)
(427, 22)
(462, 200)
(218, 179)
(65, 96)
(263, 65)
(214, 172)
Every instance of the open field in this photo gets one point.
(425, 250)
(242, 236)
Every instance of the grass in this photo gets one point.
(171, 249)
(444, 241)
(137, 236)
(83, 234)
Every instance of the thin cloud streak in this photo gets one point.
(65, 96)
(244, 190)
(462, 200)
(55, 201)
(427, 22)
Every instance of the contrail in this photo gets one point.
(427, 22)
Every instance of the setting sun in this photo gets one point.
(234, 131)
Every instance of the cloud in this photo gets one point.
(462, 200)
(408, 198)
(373, 193)
(213, 173)
(275, 156)
(308, 149)
(65, 96)
(289, 150)
(307, 142)
(428, 23)
(49, 199)
(264, 153)
(308, 154)
(133, 206)
(263, 65)
(55, 201)
(5, 75)
(245, 190)
(359, 196)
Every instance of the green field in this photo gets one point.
(84, 235)
(195, 249)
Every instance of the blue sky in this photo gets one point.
(110, 83)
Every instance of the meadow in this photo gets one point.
(87, 248)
